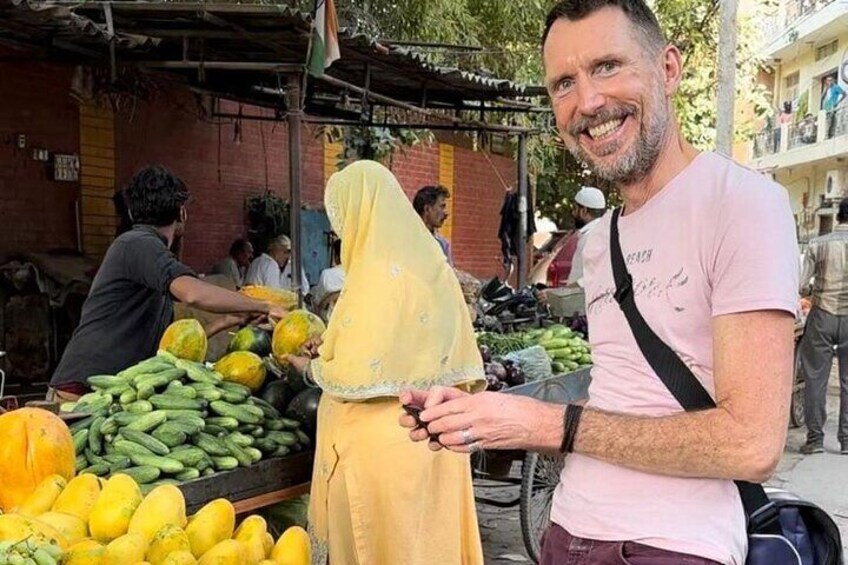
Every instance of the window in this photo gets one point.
(826, 50)
(791, 86)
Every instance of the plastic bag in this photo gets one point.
(534, 361)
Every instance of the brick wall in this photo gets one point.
(220, 167)
(37, 213)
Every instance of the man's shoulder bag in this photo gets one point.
(782, 528)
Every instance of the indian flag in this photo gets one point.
(325, 40)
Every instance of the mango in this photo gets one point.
(162, 506)
(169, 539)
(41, 500)
(227, 552)
(293, 548)
(79, 497)
(111, 515)
(211, 525)
(86, 552)
(125, 549)
(70, 526)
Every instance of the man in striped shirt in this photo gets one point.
(825, 264)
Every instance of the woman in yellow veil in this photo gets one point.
(400, 323)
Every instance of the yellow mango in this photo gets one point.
(125, 549)
(180, 558)
(14, 527)
(162, 506)
(43, 497)
(211, 525)
(79, 497)
(269, 545)
(86, 552)
(293, 548)
(111, 515)
(251, 532)
(169, 539)
(227, 552)
(70, 526)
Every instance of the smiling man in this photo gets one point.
(712, 253)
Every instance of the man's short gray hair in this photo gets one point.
(282, 241)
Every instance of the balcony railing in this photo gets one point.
(837, 122)
(766, 143)
(806, 133)
(803, 133)
(797, 9)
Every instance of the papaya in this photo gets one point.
(251, 338)
(79, 497)
(169, 539)
(14, 527)
(227, 552)
(180, 558)
(86, 552)
(293, 331)
(251, 532)
(242, 367)
(211, 525)
(293, 548)
(185, 339)
(285, 298)
(164, 505)
(125, 549)
(43, 497)
(269, 545)
(70, 526)
(111, 515)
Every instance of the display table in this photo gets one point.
(249, 488)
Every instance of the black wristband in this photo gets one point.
(570, 423)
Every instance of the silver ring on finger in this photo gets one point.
(467, 439)
(474, 447)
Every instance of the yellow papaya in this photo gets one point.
(269, 544)
(111, 515)
(185, 339)
(211, 525)
(162, 506)
(70, 526)
(169, 539)
(43, 497)
(79, 497)
(180, 558)
(125, 549)
(251, 532)
(293, 548)
(267, 562)
(86, 552)
(14, 527)
(227, 552)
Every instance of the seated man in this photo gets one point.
(273, 268)
(236, 264)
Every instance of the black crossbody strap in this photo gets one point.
(679, 379)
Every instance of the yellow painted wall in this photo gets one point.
(97, 178)
(446, 179)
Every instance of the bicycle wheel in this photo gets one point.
(539, 478)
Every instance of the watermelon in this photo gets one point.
(304, 409)
(278, 394)
(251, 339)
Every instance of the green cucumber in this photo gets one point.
(289, 424)
(225, 422)
(143, 474)
(225, 463)
(206, 391)
(167, 356)
(99, 469)
(125, 418)
(216, 431)
(186, 426)
(237, 452)
(139, 407)
(274, 424)
(80, 438)
(254, 454)
(95, 438)
(177, 388)
(210, 445)
(281, 451)
(153, 444)
(188, 475)
(128, 448)
(235, 387)
(190, 457)
(242, 440)
(106, 381)
(151, 365)
(109, 426)
(81, 424)
(157, 380)
(244, 413)
(164, 464)
(265, 445)
(80, 463)
(148, 421)
(170, 438)
(198, 373)
(128, 397)
(211, 470)
(302, 438)
(178, 414)
(269, 411)
(282, 438)
(175, 402)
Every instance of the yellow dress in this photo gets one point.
(400, 323)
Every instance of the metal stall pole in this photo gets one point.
(295, 118)
(523, 192)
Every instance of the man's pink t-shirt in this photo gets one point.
(718, 239)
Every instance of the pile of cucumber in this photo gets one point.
(566, 348)
(167, 420)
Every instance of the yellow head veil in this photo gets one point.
(401, 321)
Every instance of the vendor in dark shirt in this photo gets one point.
(131, 301)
